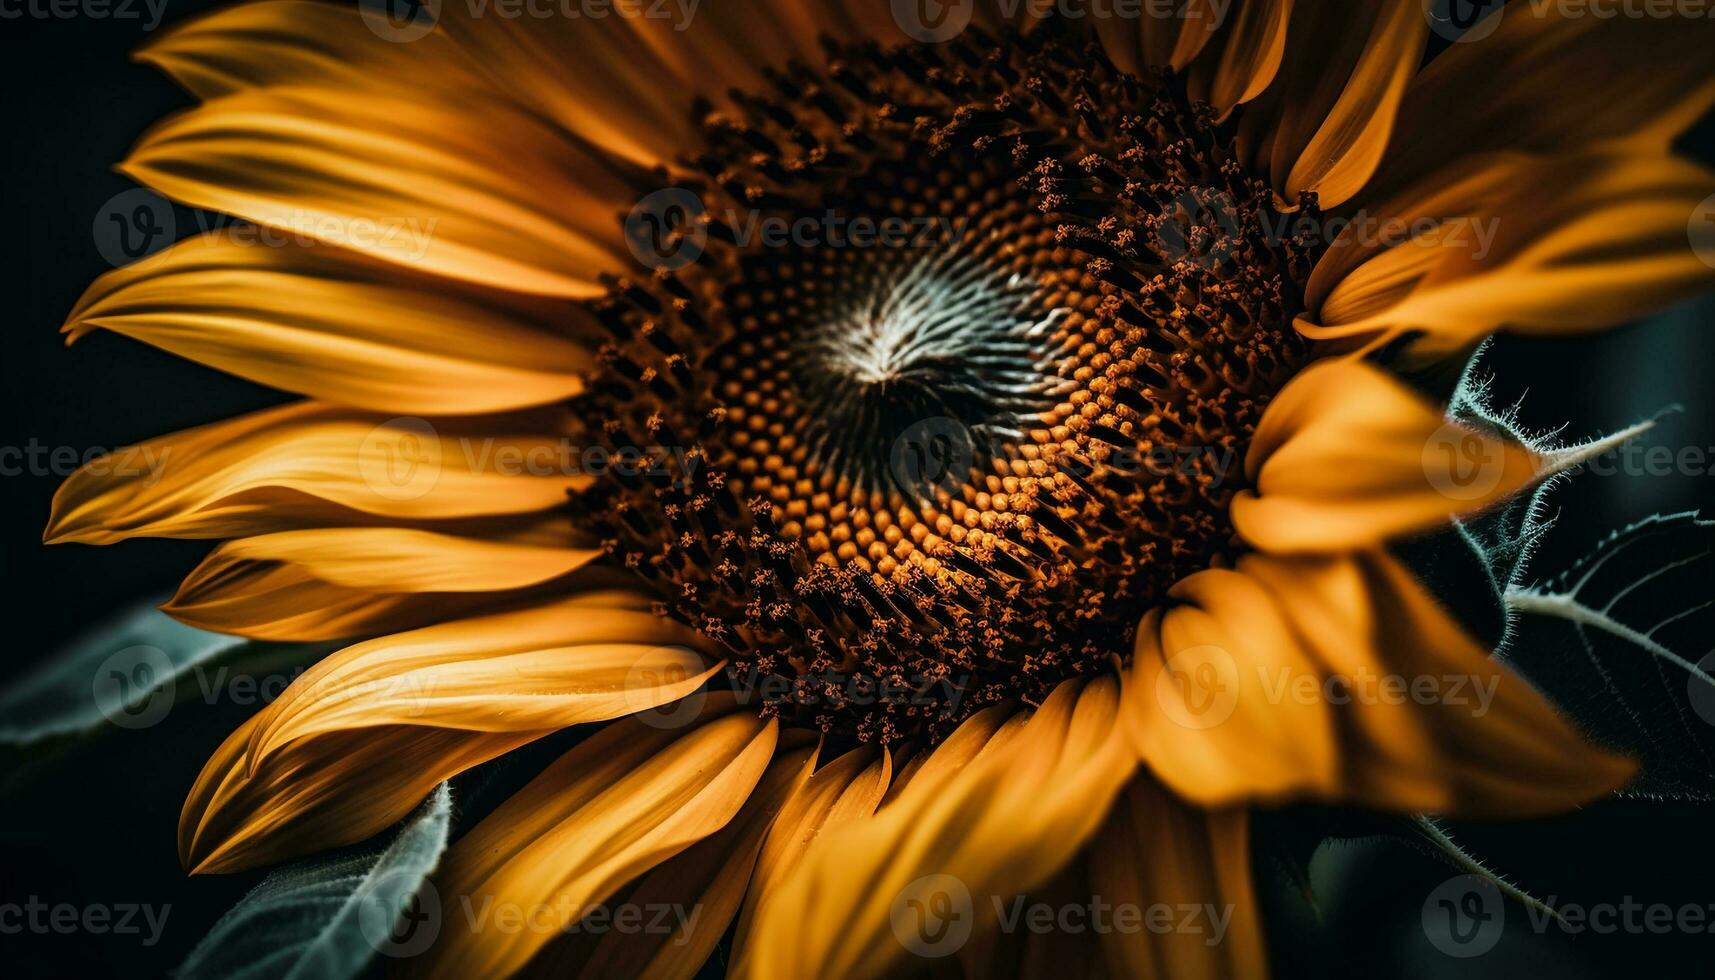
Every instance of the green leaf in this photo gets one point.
(327, 917)
(122, 673)
(1624, 641)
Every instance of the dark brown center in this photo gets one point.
(959, 375)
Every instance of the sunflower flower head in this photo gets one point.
(1007, 415)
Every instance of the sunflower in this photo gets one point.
(994, 414)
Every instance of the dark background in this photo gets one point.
(98, 827)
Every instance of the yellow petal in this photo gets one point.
(587, 657)
(1424, 720)
(1139, 44)
(1342, 81)
(1241, 61)
(269, 601)
(611, 809)
(844, 791)
(301, 43)
(357, 741)
(309, 465)
(1584, 242)
(320, 793)
(480, 191)
(1202, 706)
(1155, 852)
(389, 559)
(1550, 80)
(1345, 456)
(321, 321)
(702, 888)
(1000, 826)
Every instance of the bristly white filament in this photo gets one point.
(951, 333)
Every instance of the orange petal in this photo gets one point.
(302, 43)
(1000, 826)
(390, 559)
(1550, 80)
(1242, 59)
(1201, 710)
(323, 322)
(1155, 852)
(309, 465)
(621, 803)
(1424, 720)
(587, 657)
(1138, 44)
(480, 191)
(1345, 457)
(320, 793)
(1530, 246)
(844, 791)
(702, 888)
(269, 601)
(1336, 97)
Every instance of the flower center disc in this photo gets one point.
(957, 385)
